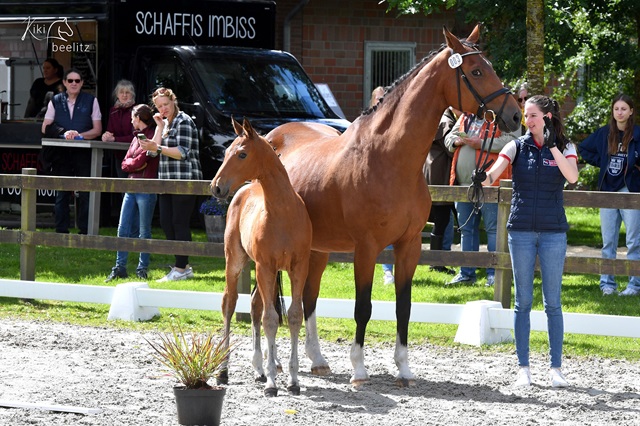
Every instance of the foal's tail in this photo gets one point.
(278, 302)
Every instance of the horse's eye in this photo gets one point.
(476, 73)
(242, 155)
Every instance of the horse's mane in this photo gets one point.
(409, 74)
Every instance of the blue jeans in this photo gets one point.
(388, 266)
(470, 231)
(610, 221)
(551, 249)
(136, 209)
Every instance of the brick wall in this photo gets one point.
(328, 36)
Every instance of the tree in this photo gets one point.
(590, 46)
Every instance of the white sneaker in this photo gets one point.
(557, 379)
(175, 275)
(388, 277)
(629, 292)
(608, 291)
(524, 377)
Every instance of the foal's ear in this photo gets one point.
(237, 127)
(248, 129)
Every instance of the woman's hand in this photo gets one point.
(157, 117)
(148, 145)
(108, 137)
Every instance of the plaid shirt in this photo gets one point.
(181, 133)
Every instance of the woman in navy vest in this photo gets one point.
(615, 148)
(541, 161)
(72, 115)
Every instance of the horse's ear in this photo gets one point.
(237, 127)
(452, 41)
(474, 37)
(248, 128)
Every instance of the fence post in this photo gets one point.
(502, 287)
(244, 287)
(27, 223)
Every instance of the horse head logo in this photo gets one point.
(57, 30)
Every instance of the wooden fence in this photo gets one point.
(29, 238)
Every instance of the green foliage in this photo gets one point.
(193, 358)
(588, 178)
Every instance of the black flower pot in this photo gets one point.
(199, 406)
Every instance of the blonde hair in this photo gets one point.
(168, 93)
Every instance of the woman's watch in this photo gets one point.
(159, 150)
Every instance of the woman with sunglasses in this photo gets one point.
(72, 114)
(176, 142)
(615, 149)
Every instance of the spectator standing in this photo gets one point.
(176, 142)
(523, 95)
(119, 127)
(465, 141)
(437, 170)
(138, 165)
(72, 115)
(537, 226)
(51, 81)
(615, 149)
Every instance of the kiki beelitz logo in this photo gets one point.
(56, 30)
(59, 33)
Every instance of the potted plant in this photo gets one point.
(193, 358)
(215, 218)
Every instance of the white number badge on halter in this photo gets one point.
(455, 60)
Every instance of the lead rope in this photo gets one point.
(475, 193)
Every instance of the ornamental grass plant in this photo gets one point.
(192, 357)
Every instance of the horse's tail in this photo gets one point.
(281, 308)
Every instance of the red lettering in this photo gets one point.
(13, 162)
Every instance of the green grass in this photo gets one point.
(581, 294)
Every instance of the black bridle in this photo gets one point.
(476, 194)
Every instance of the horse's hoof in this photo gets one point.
(270, 392)
(294, 390)
(222, 378)
(261, 379)
(322, 370)
(357, 383)
(405, 383)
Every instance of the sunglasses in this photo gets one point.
(71, 80)
(523, 99)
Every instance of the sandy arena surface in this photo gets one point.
(113, 371)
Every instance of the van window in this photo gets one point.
(257, 87)
(169, 72)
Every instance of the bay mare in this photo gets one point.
(364, 189)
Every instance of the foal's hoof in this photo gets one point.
(321, 370)
(294, 390)
(261, 379)
(270, 392)
(357, 383)
(222, 378)
(405, 383)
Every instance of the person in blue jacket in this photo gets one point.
(615, 149)
(541, 160)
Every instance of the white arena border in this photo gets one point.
(480, 322)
